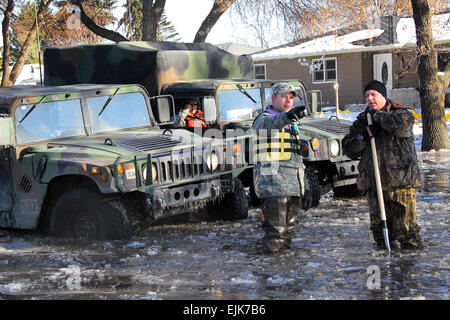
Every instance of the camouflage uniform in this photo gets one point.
(279, 183)
(399, 171)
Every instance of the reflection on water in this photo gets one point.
(435, 170)
(435, 178)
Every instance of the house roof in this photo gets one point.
(391, 32)
(237, 48)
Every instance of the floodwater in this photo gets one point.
(333, 257)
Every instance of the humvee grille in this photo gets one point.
(149, 144)
(332, 126)
(179, 169)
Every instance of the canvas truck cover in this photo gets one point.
(151, 64)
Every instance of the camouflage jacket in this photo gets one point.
(394, 140)
(278, 178)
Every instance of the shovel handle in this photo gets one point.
(377, 178)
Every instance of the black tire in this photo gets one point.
(233, 206)
(348, 191)
(314, 186)
(254, 201)
(82, 213)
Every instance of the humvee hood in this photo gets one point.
(325, 128)
(122, 143)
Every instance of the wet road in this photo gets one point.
(333, 257)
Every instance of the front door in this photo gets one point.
(382, 70)
(6, 191)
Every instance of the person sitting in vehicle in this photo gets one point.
(190, 116)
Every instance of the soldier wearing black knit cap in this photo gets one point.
(393, 131)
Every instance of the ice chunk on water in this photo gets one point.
(14, 287)
(247, 278)
(151, 295)
(313, 264)
(152, 251)
(277, 279)
(354, 269)
(136, 245)
(176, 251)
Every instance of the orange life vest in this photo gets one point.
(196, 120)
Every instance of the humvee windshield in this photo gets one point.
(49, 120)
(123, 111)
(234, 104)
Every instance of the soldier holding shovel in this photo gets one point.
(397, 163)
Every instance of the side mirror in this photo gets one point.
(163, 108)
(6, 131)
(209, 109)
(316, 101)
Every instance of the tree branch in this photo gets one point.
(95, 28)
(219, 7)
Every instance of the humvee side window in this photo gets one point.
(233, 104)
(49, 120)
(268, 95)
(124, 111)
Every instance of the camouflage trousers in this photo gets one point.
(278, 222)
(400, 207)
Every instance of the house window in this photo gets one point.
(260, 71)
(325, 70)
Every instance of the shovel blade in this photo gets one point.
(386, 239)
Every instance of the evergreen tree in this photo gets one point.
(132, 20)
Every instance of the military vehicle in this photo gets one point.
(90, 161)
(222, 83)
(236, 103)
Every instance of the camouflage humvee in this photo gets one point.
(91, 161)
(221, 82)
(235, 103)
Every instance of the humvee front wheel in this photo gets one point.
(233, 206)
(84, 214)
(314, 188)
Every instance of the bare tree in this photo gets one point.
(219, 7)
(9, 77)
(151, 16)
(65, 28)
(297, 19)
(432, 87)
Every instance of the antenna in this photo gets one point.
(38, 45)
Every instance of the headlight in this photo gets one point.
(212, 162)
(315, 144)
(334, 148)
(154, 173)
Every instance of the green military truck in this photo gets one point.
(235, 103)
(222, 82)
(90, 161)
